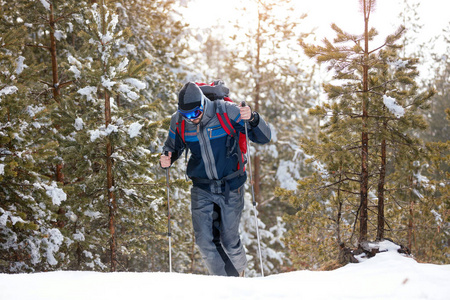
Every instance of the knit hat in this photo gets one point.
(189, 97)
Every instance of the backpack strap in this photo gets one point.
(225, 122)
(181, 129)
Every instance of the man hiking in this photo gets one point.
(210, 130)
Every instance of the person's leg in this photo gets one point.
(202, 207)
(217, 220)
(229, 234)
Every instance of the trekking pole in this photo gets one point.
(253, 193)
(169, 234)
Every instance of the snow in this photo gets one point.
(437, 216)
(92, 214)
(20, 65)
(285, 175)
(140, 85)
(134, 129)
(59, 35)
(78, 236)
(102, 131)
(126, 90)
(75, 72)
(54, 240)
(89, 92)
(6, 214)
(122, 66)
(74, 61)
(46, 4)
(95, 134)
(8, 90)
(111, 128)
(293, 68)
(393, 107)
(388, 275)
(79, 124)
(32, 110)
(107, 82)
(55, 193)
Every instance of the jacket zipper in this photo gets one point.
(205, 148)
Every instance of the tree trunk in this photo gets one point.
(411, 215)
(339, 213)
(55, 87)
(112, 205)
(381, 183)
(410, 225)
(55, 80)
(256, 159)
(363, 217)
(110, 185)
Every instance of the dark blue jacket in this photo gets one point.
(214, 154)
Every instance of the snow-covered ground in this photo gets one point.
(388, 275)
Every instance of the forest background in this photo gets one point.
(360, 148)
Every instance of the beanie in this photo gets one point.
(189, 97)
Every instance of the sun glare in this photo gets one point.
(204, 14)
(321, 14)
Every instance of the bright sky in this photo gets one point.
(434, 15)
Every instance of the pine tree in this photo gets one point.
(48, 23)
(159, 35)
(60, 34)
(364, 143)
(29, 228)
(109, 140)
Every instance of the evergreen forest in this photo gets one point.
(360, 148)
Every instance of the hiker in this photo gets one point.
(216, 168)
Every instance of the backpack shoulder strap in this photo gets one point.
(181, 128)
(224, 120)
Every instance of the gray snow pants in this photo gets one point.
(216, 228)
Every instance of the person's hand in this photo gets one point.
(165, 160)
(246, 112)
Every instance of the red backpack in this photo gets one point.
(215, 91)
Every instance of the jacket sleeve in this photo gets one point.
(174, 143)
(258, 129)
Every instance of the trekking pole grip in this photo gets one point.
(243, 104)
(166, 153)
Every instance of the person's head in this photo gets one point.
(191, 102)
